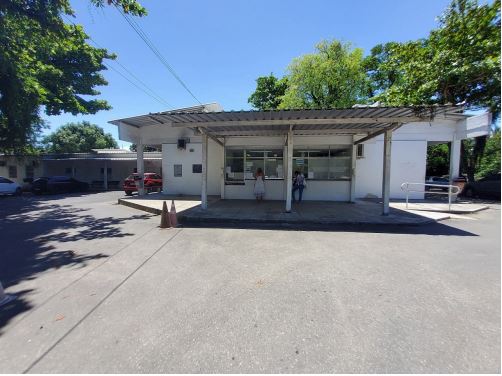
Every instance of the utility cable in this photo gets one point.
(137, 28)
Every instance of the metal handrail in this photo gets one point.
(452, 190)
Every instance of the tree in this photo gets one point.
(438, 160)
(78, 138)
(269, 92)
(459, 62)
(45, 62)
(381, 75)
(490, 161)
(333, 77)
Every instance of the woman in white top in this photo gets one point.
(259, 185)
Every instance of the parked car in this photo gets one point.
(58, 184)
(487, 187)
(438, 181)
(152, 182)
(9, 187)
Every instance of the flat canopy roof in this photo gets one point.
(307, 121)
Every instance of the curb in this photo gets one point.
(139, 206)
(207, 220)
(184, 219)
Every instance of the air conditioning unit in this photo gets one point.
(182, 143)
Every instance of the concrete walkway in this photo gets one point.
(307, 212)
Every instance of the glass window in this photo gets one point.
(197, 169)
(234, 164)
(242, 164)
(325, 163)
(318, 168)
(301, 165)
(252, 165)
(340, 162)
(178, 170)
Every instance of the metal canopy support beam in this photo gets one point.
(393, 127)
(387, 146)
(454, 159)
(289, 174)
(309, 132)
(105, 176)
(140, 167)
(203, 196)
(223, 172)
(353, 171)
(332, 121)
(203, 131)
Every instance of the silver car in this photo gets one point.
(9, 187)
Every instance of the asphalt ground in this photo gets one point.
(100, 288)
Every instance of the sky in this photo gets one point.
(220, 47)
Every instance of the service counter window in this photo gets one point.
(325, 163)
(242, 163)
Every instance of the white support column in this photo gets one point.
(203, 195)
(454, 159)
(105, 176)
(289, 174)
(386, 172)
(223, 172)
(353, 171)
(140, 167)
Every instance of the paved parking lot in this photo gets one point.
(101, 289)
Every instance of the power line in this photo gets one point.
(145, 89)
(137, 28)
(160, 100)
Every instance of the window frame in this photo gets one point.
(305, 156)
(253, 152)
(178, 174)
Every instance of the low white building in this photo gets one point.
(345, 154)
(101, 168)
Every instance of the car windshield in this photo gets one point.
(131, 177)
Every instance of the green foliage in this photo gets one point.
(332, 77)
(78, 138)
(269, 92)
(133, 147)
(45, 62)
(458, 63)
(438, 160)
(490, 161)
(381, 75)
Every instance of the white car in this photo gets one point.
(9, 187)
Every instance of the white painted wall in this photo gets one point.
(274, 190)
(408, 162)
(409, 149)
(190, 183)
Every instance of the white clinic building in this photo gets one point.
(345, 154)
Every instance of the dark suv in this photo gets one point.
(58, 184)
(487, 187)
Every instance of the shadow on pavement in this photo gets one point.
(426, 229)
(37, 236)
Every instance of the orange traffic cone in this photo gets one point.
(172, 215)
(164, 217)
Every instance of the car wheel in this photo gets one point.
(18, 192)
(128, 193)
